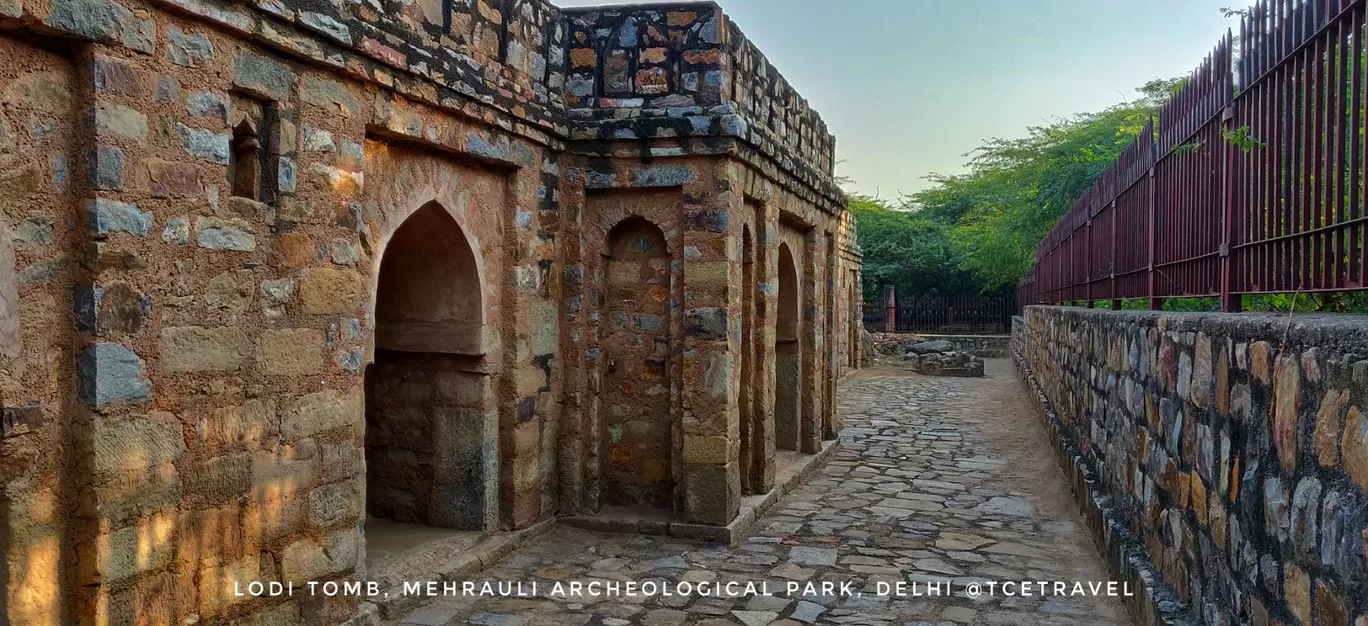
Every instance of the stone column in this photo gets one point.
(812, 343)
(766, 320)
(711, 347)
(576, 438)
(530, 334)
(890, 306)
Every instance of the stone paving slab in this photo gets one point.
(939, 483)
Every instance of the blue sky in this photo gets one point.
(910, 86)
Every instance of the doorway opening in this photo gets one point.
(431, 423)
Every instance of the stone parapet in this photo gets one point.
(665, 71)
(1223, 458)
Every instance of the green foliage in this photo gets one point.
(910, 251)
(1242, 138)
(979, 230)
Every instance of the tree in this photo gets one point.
(1016, 189)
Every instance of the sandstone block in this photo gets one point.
(231, 291)
(291, 352)
(311, 559)
(166, 179)
(221, 478)
(323, 411)
(196, 349)
(251, 423)
(135, 442)
(328, 291)
(706, 450)
(129, 551)
(120, 120)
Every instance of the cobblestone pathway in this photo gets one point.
(939, 482)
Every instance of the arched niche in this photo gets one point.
(788, 365)
(637, 429)
(431, 425)
(429, 298)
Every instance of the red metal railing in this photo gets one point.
(1241, 187)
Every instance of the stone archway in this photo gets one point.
(431, 428)
(636, 423)
(788, 355)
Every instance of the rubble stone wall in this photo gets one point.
(1228, 453)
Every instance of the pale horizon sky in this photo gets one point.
(909, 86)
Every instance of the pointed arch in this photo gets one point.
(430, 294)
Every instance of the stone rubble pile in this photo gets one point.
(939, 358)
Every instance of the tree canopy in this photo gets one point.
(978, 231)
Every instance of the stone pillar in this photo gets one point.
(890, 307)
(711, 350)
(576, 438)
(766, 320)
(530, 334)
(812, 343)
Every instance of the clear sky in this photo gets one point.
(909, 86)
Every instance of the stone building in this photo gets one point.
(271, 269)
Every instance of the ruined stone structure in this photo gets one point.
(268, 268)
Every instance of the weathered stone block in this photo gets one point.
(195, 349)
(706, 323)
(111, 373)
(332, 95)
(109, 216)
(220, 234)
(323, 411)
(126, 552)
(312, 559)
(328, 291)
(711, 494)
(251, 423)
(338, 504)
(291, 352)
(221, 478)
(262, 76)
(135, 442)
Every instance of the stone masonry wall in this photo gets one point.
(427, 426)
(1232, 448)
(195, 200)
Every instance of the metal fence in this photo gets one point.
(1251, 183)
(945, 315)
